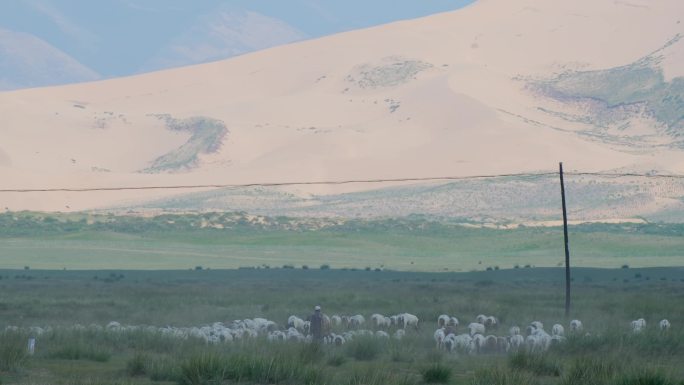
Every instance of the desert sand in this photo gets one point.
(447, 94)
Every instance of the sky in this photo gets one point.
(122, 37)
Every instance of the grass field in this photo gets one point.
(605, 300)
(179, 242)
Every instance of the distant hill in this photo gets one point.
(27, 61)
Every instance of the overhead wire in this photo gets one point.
(335, 182)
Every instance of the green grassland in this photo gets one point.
(221, 241)
(604, 299)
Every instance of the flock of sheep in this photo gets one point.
(338, 330)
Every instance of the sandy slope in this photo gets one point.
(446, 94)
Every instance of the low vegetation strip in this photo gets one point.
(235, 240)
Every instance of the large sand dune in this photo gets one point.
(499, 86)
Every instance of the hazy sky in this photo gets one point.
(118, 37)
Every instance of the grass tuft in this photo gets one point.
(589, 371)
(203, 369)
(436, 374)
(137, 365)
(538, 364)
(502, 376)
(364, 348)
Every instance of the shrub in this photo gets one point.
(436, 374)
(325, 267)
(203, 369)
(136, 366)
(12, 356)
(163, 369)
(624, 267)
(305, 267)
(538, 364)
(364, 349)
(589, 371)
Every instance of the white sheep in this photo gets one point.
(295, 322)
(514, 331)
(558, 330)
(462, 342)
(537, 325)
(378, 320)
(453, 322)
(439, 336)
(449, 343)
(382, 334)
(481, 318)
(638, 325)
(476, 344)
(399, 334)
(443, 320)
(491, 322)
(490, 344)
(339, 340)
(356, 321)
(664, 325)
(336, 321)
(576, 326)
(476, 328)
(409, 320)
(516, 341)
(502, 345)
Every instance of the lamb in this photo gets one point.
(356, 321)
(409, 320)
(576, 326)
(339, 340)
(481, 319)
(476, 344)
(490, 344)
(295, 322)
(443, 320)
(537, 325)
(502, 345)
(453, 322)
(336, 321)
(399, 334)
(439, 337)
(516, 341)
(449, 343)
(382, 334)
(514, 331)
(491, 322)
(462, 342)
(638, 325)
(558, 330)
(378, 320)
(664, 325)
(476, 328)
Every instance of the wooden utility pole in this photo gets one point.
(567, 250)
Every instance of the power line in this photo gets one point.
(337, 182)
(276, 184)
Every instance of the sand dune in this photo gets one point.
(481, 90)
